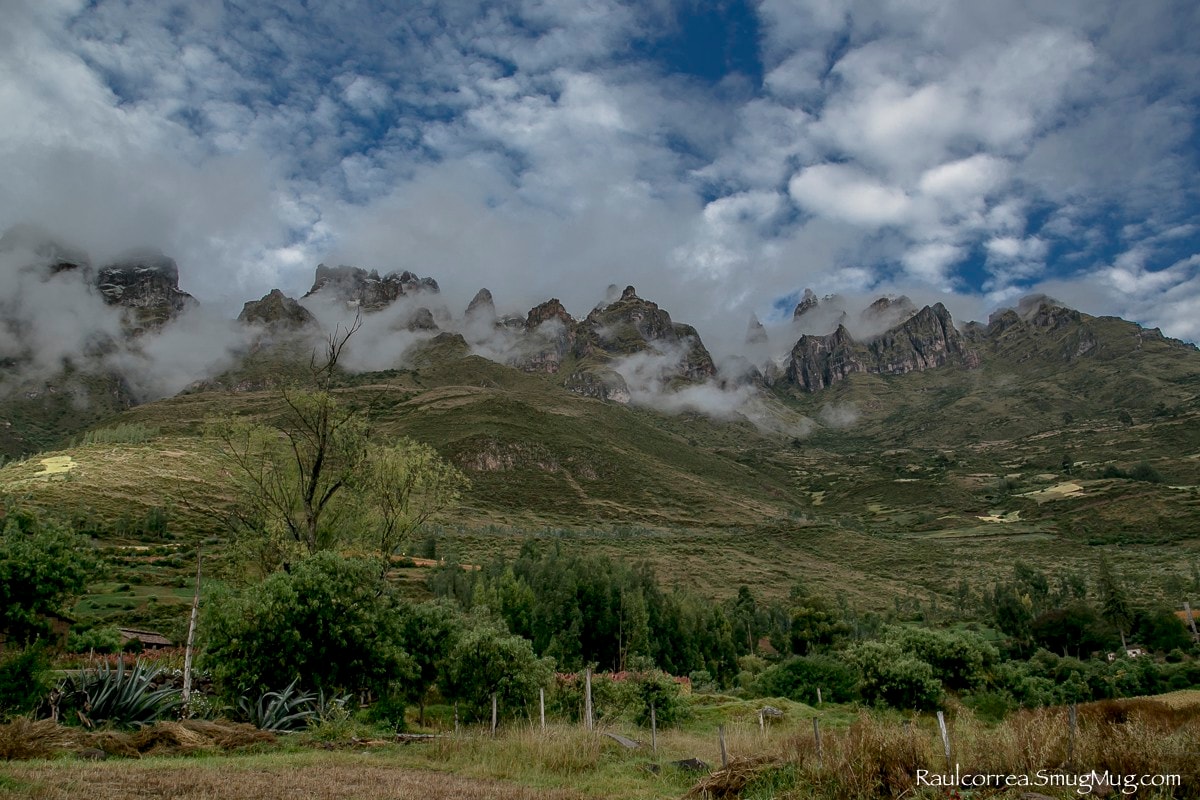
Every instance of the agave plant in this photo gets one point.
(114, 694)
(285, 710)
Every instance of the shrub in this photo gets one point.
(94, 640)
(330, 619)
(799, 678)
(488, 660)
(24, 680)
(892, 677)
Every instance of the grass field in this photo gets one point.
(862, 755)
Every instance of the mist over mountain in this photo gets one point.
(128, 323)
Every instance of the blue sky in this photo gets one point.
(721, 156)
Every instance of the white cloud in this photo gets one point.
(845, 193)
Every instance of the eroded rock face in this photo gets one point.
(482, 307)
(277, 312)
(549, 335)
(806, 304)
(632, 325)
(926, 340)
(359, 288)
(600, 383)
(818, 362)
(145, 285)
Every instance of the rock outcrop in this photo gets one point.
(368, 291)
(145, 284)
(806, 304)
(482, 307)
(600, 383)
(756, 334)
(926, 340)
(277, 312)
(549, 335)
(633, 325)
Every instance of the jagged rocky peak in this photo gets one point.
(549, 335)
(633, 325)
(367, 290)
(44, 250)
(818, 362)
(544, 312)
(482, 306)
(276, 311)
(806, 304)
(887, 312)
(421, 320)
(926, 340)
(145, 283)
(756, 334)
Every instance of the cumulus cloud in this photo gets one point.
(970, 151)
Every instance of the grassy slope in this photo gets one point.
(892, 506)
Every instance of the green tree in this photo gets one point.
(959, 659)
(428, 633)
(814, 624)
(43, 565)
(893, 677)
(485, 660)
(1115, 607)
(329, 621)
(311, 478)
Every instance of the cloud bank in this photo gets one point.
(971, 151)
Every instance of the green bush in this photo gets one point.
(389, 710)
(487, 659)
(799, 678)
(331, 619)
(94, 640)
(24, 680)
(892, 677)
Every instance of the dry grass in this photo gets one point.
(23, 739)
(329, 776)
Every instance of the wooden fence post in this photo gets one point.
(653, 729)
(542, 706)
(493, 713)
(945, 742)
(818, 695)
(186, 695)
(587, 702)
(721, 741)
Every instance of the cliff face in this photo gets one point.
(367, 290)
(146, 286)
(549, 336)
(926, 340)
(818, 362)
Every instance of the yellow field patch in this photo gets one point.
(1056, 492)
(1012, 516)
(55, 465)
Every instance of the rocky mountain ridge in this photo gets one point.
(626, 349)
